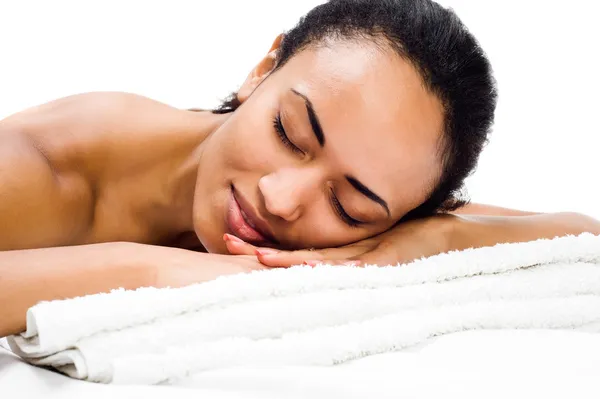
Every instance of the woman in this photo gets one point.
(353, 136)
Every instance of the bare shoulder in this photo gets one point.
(35, 209)
(90, 104)
(69, 163)
(51, 156)
(76, 131)
(87, 112)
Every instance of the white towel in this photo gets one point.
(321, 316)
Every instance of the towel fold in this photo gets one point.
(319, 316)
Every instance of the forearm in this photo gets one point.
(490, 210)
(481, 231)
(30, 276)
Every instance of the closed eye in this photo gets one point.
(283, 135)
(339, 209)
(337, 206)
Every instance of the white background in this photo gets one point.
(543, 154)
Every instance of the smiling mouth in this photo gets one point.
(242, 223)
(248, 220)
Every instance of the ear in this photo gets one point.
(260, 71)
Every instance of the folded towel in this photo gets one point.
(315, 316)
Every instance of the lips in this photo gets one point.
(243, 222)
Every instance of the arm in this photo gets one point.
(38, 207)
(42, 212)
(30, 276)
(490, 210)
(33, 275)
(473, 231)
(481, 225)
(430, 236)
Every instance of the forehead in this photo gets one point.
(381, 123)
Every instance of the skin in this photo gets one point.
(119, 167)
(99, 167)
(88, 181)
(368, 101)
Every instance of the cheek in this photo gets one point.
(319, 227)
(250, 145)
(325, 233)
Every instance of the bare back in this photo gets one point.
(90, 168)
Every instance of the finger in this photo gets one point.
(287, 258)
(236, 246)
(291, 258)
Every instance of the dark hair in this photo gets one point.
(449, 59)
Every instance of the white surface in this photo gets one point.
(476, 364)
(542, 156)
(305, 316)
(544, 149)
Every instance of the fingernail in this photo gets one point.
(352, 263)
(232, 238)
(265, 251)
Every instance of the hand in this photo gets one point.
(401, 244)
(181, 267)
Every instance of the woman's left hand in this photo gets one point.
(401, 244)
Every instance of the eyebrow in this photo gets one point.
(312, 117)
(368, 193)
(318, 131)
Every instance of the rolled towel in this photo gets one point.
(322, 316)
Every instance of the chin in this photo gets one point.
(210, 234)
(208, 220)
(213, 243)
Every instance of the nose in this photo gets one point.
(287, 191)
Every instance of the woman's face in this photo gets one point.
(335, 146)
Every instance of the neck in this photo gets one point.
(179, 187)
